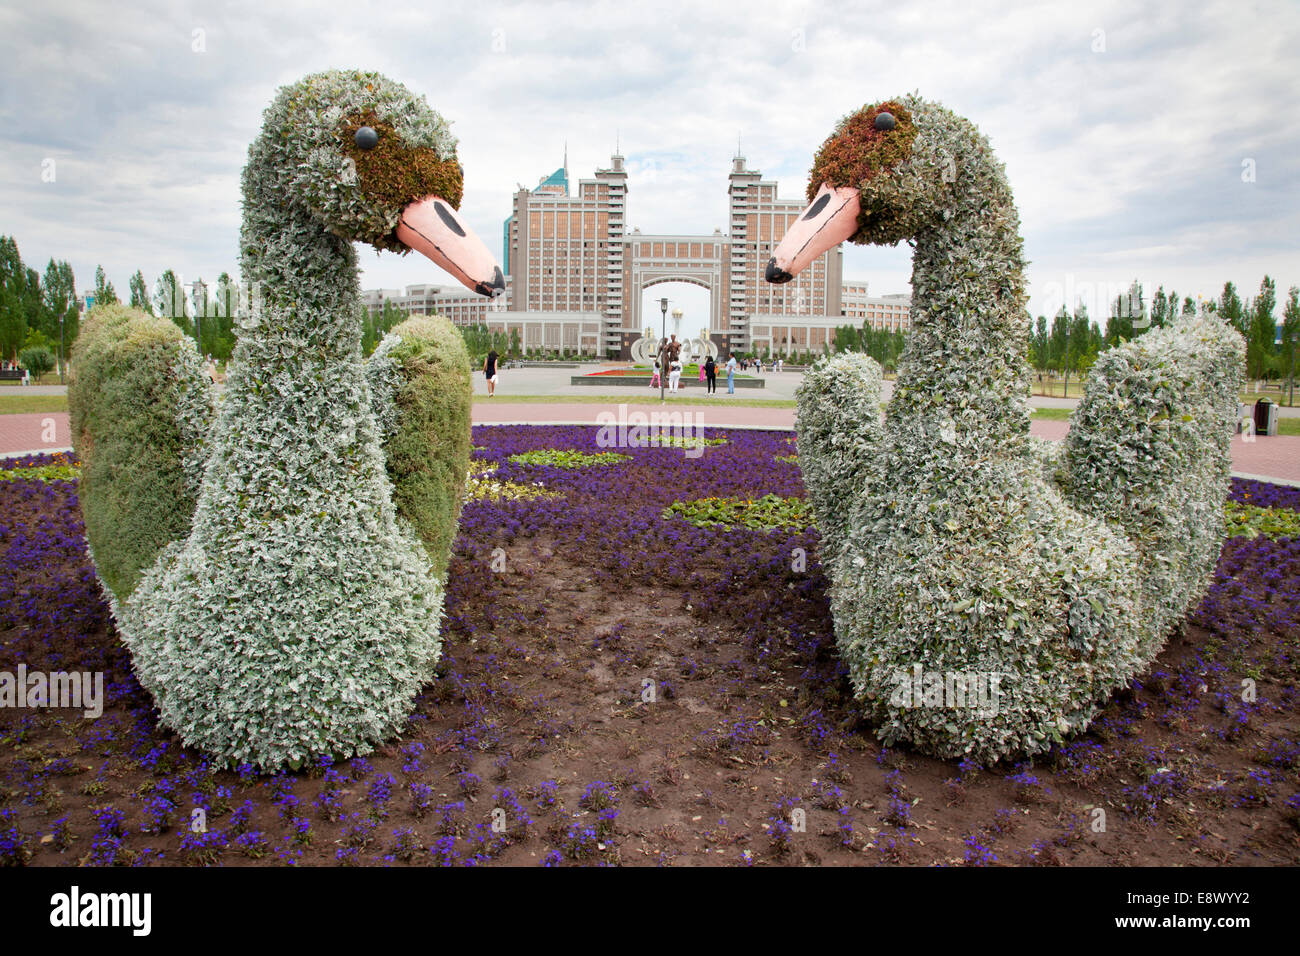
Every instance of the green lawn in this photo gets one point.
(634, 400)
(18, 404)
(1052, 414)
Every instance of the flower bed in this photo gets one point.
(559, 611)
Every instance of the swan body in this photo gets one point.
(295, 610)
(988, 596)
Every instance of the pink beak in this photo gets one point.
(832, 218)
(431, 227)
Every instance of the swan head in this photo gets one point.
(371, 162)
(883, 176)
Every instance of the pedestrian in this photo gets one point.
(710, 370)
(701, 371)
(654, 379)
(780, 363)
(675, 376)
(731, 374)
(758, 364)
(490, 371)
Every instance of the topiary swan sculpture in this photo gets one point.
(275, 566)
(988, 594)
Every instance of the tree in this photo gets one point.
(1038, 344)
(61, 305)
(1057, 340)
(140, 293)
(1160, 307)
(13, 290)
(1083, 351)
(1126, 315)
(105, 294)
(1262, 330)
(36, 360)
(222, 307)
(1230, 309)
(169, 300)
(1290, 335)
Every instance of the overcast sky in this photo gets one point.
(1149, 140)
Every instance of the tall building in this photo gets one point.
(575, 275)
(564, 253)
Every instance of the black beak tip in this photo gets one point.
(495, 287)
(775, 273)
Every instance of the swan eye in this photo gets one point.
(885, 121)
(366, 138)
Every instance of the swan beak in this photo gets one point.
(432, 228)
(832, 218)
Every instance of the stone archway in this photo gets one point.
(653, 260)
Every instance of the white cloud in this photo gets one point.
(1126, 162)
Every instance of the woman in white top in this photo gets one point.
(675, 376)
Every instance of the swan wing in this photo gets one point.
(839, 437)
(141, 408)
(1149, 452)
(419, 378)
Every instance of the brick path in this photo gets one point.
(1276, 458)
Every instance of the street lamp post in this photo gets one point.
(663, 348)
(60, 349)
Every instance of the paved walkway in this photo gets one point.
(1272, 459)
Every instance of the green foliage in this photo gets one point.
(46, 473)
(767, 513)
(37, 360)
(1148, 453)
(427, 382)
(13, 295)
(685, 441)
(481, 484)
(140, 293)
(105, 294)
(881, 344)
(479, 340)
(839, 440)
(565, 458)
(139, 405)
(375, 325)
(1251, 521)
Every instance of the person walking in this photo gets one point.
(675, 376)
(490, 371)
(701, 371)
(654, 379)
(731, 374)
(710, 370)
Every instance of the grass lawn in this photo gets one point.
(18, 404)
(633, 400)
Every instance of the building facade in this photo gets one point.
(571, 264)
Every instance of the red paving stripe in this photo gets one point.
(1276, 457)
(33, 431)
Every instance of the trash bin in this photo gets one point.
(1265, 417)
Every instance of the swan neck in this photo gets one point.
(965, 363)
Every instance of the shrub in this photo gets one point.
(140, 407)
(1149, 452)
(838, 438)
(420, 382)
(960, 557)
(37, 360)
